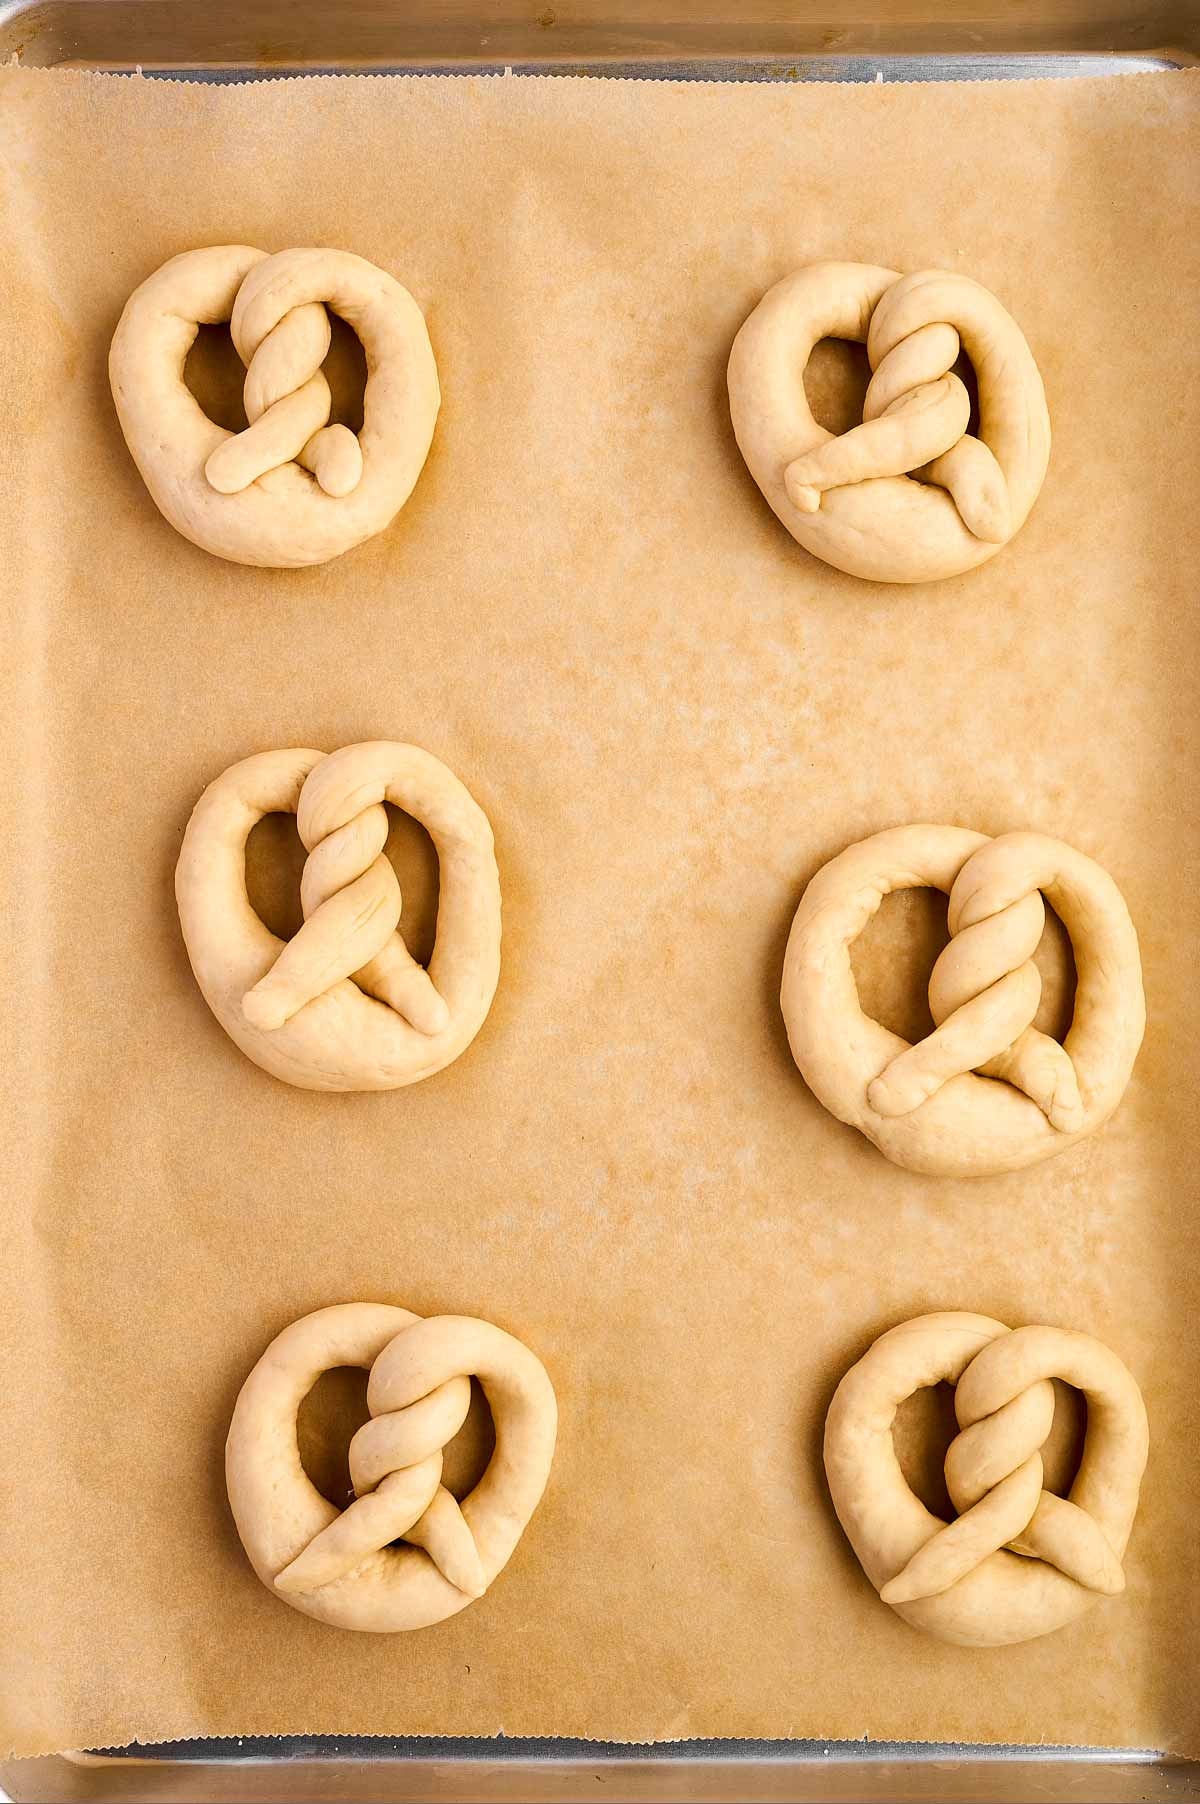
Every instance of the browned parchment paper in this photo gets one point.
(673, 716)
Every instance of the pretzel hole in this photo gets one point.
(415, 860)
(836, 378)
(1055, 959)
(925, 1425)
(964, 369)
(893, 956)
(835, 383)
(896, 951)
(275, 863)
(215, 373)
(336, 1408)
(326, 1422)
(465, 1458)
(1064, 1448)
(346, 373)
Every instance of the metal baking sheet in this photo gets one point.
(893, 40)
(755, 39)
(372, 1771)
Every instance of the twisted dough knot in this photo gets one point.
(960, 1580)
(341, 1565)
(936, 1107)
(343, 1005)
(351, 899)
(396, 1468)
(852, 499)
(984, 992)
(994, 1475)
(916, 412)
(286, 395)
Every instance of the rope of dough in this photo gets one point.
(984, 992)
(286, 397)
(962, 1580)
(339, 1565)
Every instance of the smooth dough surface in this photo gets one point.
(339, 1565)
(928, 1107)
(343, 1005)
(1018, 1561)
(853, 500)
(290, 490)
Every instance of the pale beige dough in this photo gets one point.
(1018, 1561)
(924, 1106)
(290, 490)
(853, 500)
(337, 1565)
(343, 1006)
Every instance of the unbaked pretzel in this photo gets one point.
(852, 500)
(957, 1580)
(923, 1105)
(338, 1565)
(290, 489)
(344, 1005)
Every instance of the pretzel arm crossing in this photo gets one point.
(983, 994)
(351, 900)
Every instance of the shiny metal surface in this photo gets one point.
(757, 39)
(450, 1772)
(982, 67)
(713, 40)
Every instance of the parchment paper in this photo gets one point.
(673, 716)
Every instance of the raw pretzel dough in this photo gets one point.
(290, 490)
(923, 1106)
(337, 1565)
(343, 1006)
(852, 500)
(959, 1581)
